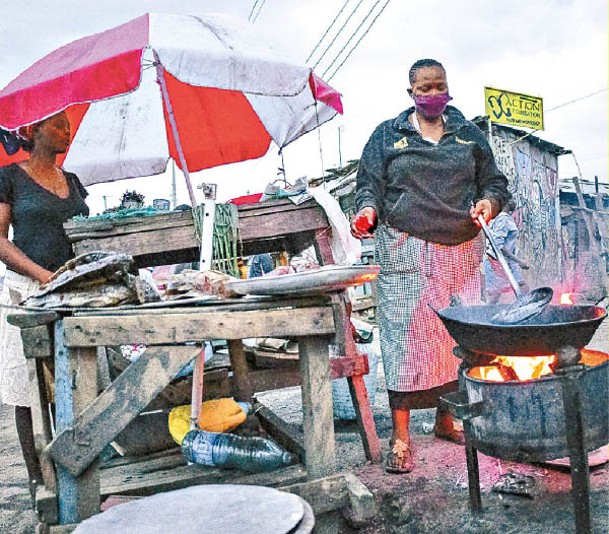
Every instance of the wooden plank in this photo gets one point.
(318, 423)
(323, 250)
(32, 319)
(278, 378)
(87, 331)
(323, 494)
(269, 379)
(85, 387)
(103, 368)
(136, 467)
(588, 220)
(62, 529)
(189, 475)
(64, 417)
(357, 388)
(365, 418)
(41, 423)
(217, 383)
(37, 341)
(290, 223)
(160, 241)
(77, 446)
(241, 383)
(288, 435)
(80, 230)
(46, 506)
(344, 366)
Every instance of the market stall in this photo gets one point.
(85, 422)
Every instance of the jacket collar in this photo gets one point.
(454, 120)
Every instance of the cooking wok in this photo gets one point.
(557, 326)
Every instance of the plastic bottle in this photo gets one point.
(228, 450)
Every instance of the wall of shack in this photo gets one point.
(532, 172)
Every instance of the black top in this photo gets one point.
(426, 189)
(37, 215)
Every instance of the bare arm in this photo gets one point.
(14, 259)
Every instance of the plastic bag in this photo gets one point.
(345, 248)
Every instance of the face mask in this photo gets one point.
(431, 106)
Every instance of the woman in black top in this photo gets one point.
(36, 197)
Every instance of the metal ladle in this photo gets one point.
(526, 305)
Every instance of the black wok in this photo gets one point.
(555, 327)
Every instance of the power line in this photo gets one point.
(338, 33)
(258, 12)
(249, 18)
(326, 32)
(358, 41)
(577, 99)
(351, 37)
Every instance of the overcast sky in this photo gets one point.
(555, 49)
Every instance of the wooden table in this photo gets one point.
(87, 421)
(164, 239)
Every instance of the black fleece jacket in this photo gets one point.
(424, 189)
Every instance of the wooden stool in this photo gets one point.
(217, 508)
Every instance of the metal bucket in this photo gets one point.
(525, 421)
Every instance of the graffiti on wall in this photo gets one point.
(533, 182)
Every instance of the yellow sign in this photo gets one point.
(515, 109)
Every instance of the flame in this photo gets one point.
(522, 368)
(528, 368)
(565, 298)
(505, 368)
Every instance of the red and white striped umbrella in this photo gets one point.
(204, 91)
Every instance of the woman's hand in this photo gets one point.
(364, 223)
(483, 207)
(42, 276)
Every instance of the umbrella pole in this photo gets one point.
(206, 252)
(160, 72)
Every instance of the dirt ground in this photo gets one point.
(431, 499)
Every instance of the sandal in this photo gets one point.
(399, 458)
(454, 433)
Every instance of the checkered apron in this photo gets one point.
(415, 346)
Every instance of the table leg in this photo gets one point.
(75, 388)
(243, 388)
(357, 388)
(85, 387)
(365, 418)
(198, 380)
(41, 423)
(318, 423)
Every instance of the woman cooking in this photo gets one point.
(36, 198)
(423, 179)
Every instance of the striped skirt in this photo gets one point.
(415, 346)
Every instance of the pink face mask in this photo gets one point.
(431, 106)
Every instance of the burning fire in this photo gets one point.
(504, 368)
(565, 298)
(521, 368)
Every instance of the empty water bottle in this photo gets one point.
(229, 450)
